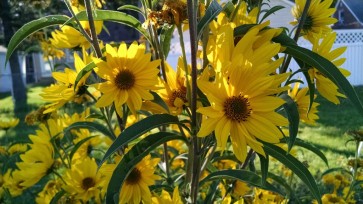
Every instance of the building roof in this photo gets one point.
(356, 7)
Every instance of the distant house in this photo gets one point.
(349, 14)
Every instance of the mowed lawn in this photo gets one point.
(329, 134)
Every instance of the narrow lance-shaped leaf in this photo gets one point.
(328, 69)
(210, 14)
(90, 125)
(137, 129)
(312, 148)
(264, 162)
(165, 39)
(132, 158)
(296, 166)
(242, 175)
(271, 11)
(293, 116)
(89, 67)
(78, 145)
(131, 8)
(30, 28)
(115, 16)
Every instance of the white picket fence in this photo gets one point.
(352, 39)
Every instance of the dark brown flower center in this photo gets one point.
(237, 108)
(134, 177)
(178, 94)
(124, 80)
(88, 183)
(308, 24)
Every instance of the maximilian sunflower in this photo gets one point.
(129, 76)
(242, 101)
(318, 19)
(323, 46)
(136, 186)
(83, 181)
(302, 100)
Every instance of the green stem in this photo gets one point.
(92, 27)
(182, 45)
(297, 34)
(85, 34)
(159, 52)
(355, 168)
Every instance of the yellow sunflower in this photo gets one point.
(318, 19)
(175, 92)
(63, 91)
(302, 100)
(136, 186)
(83, 181)
(165, 198)
(129, 75)
(36, 163)
(13, 183)
(69, 37)
(323, 46)
(242, 104)
(49, 51)
(8, 123)
(48, 192)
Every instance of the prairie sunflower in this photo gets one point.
(129, 75)
(165, 198)
(83, 181)
(323, 46)
(136, 186)
(318, 19)
(302, 100)
(242, 104)
(48, 192)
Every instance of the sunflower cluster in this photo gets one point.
(125, 126)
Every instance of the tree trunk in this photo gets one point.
(19, 89)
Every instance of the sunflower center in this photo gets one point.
(88, 183)
(237, 108)
(308, 24)
(178, 94)
(124, 80)
(134, 177)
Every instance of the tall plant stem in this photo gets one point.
(182, 45)
(92, 27)
(297, 34)
(192, 17)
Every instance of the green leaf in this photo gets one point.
(242, 29)
(312, 148)
(296, 166)
(264, 162)
(242, 175)
(115, 16)
(57, 196)
(282, 182)
(293, 116)
(228, 8)
(271, 11)
(89, 67)
(341, 169)
(137, 129)
(30, 28)
(210, 14)
(132, 158)
(158, 100)
(78, 145)
(165, 39)
(90, 125)
(131, 8)
(328, 69)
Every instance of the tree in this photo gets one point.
(19, 89)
